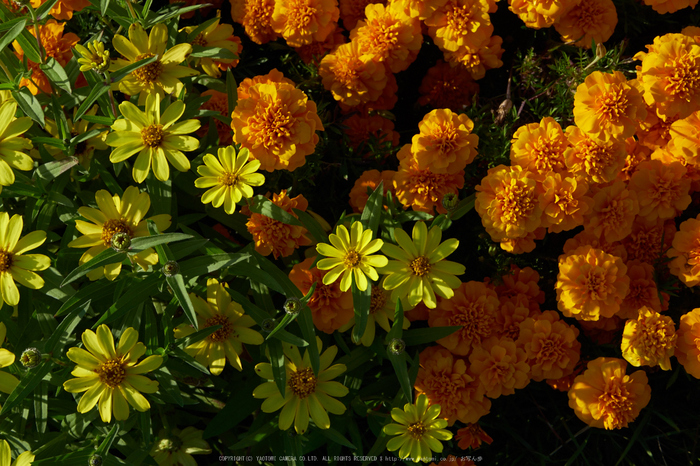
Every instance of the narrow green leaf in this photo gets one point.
(100, 120)
(262, 205)
(106, 444)
(29, 105)
(97, 91)
(278, 366)
(421, 336)
(396, 330)
(311, 224)
(280, 279)
(53, 142)
(200, 29)
(286, 320)
(44, 9)
(15, 30)
(87, 293)
(41, 407)
(465, 206)
(373, 209)
(187, 359)
(309, 333)
(55, 72)
(29, 45)
(106, 257)
(145, 242)
(196, 336)
(362, 301)
(336, 437)
(57, 341)
(401, 370)
(378, 447)
(51, 170)
(7, 25)
(239, 406)
(136, 294)
(104, 5)
(27, 384)
(199, 51)
(231, 92)
(167, 385)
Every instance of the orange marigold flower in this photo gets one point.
(256, 18)
(523, 244)
(603, 396)
(587, 21)
(273, 236)
(564, 202)
(445, 143)
(594, 161)
(352, 79)
(655, 131)
(330, 307)
(670, 6)
(277, 123)
(460, 23)
(63, 9)
(362, 129)
(424, 190)
(388, 34)
(386, 100)
(446, 381)
(636, 154)
(315, 51)
(301, 22)
(642, 292)
(671, 75)
(685, 137)
(613, 212)
(551, 346)
(501, 367)
(274, 77)
(591, 284)
(370, 180)
(511, 314)
(586, 238)
(662, 189)
(688, 343)
(507, 203)
(217, 103)
(520, 286)
(420, 312)
(421, 9)
(474, 306)
(649, 340)
(477, 60)
(685, 253)
(472, 436)
(537, 14)
(648, 240)
(445, 86)
(564, 384)
(607, 106)
(539, 147)
(351, 11)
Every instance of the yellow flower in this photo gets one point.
(177, 448)
(649, 340)
(227, 342)
(11, 144)
(84, 150)
(350, 256)
(230, 178)
(8, 382)
(219, 36)
(116, 215)
(586, 21)
(302, 22)
(418, 429)
(14, 265)
(24, 459)
(95, 57)
(306, 394)
(420, 266)
(161, 76)
(157, 138)
(110, 375)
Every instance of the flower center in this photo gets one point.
(112, 373)
(152, 135)
(149, 73)
(300, 14)
(378, 299)
(112, 226)
(352, 259)
(420, 266)
(551, 349)
(596, 158)
(517, 202)
(587, 14)
(615, 405)
(684, 79)
(595, 281)
(170, 444)
(200, 40)
(302, 382)
(458, 19)
(445, 139)
(5, 261)
(417, 430)
(228, 179)
(612, 105)
(223, 333)
(272, 125)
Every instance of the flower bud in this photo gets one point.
(292, 306)
(396, 346)
(121, 241)
(95, 460)
(268, 325)
(450, 201)
(31, 357)
(171, 268)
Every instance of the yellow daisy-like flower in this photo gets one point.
(24, 459)
(11, 144)
(420, 271)
(116, 215)
(157, 138)
(227, 342)
(110, 375)
(14, 265)
(8, 382)
(219, 36)
(161, 76)
(350, 256)
(229, 178)
(306, 394)
(177, 447)
(84, 150)
(95, 57)
(419, 430)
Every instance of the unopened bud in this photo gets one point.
(292, 306)
(171, 268)
(396, 346)
(121, 241)
(268, 325)
(600, 50)
(449, 201)
(31, 357)
(95, 460)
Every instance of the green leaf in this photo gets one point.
(121, 73)
(361, 301)
(396, 330)
(231, 92)
(187, 359)
(239, 406)
(26, 386)
(106, 257)
(41, 407)
(89, 292)
(104, 5)
(336, 437)
(44, 9)
(277, 361)
(29, 45)
(196, 336)
(145, 242)
(106, 444)
(373, 209)
(167, 385)
(137, 294)
(16, 29)
(97, 91)
(279, 278)
(57, 341)
(55, 72)
(421, 336)
(99, 120)
(401, 370)
(312, 225)
(262, 205)
(29, 105)
(51, 170)
(465, 206)
(286, 320)
(308, 331)
(199, 51)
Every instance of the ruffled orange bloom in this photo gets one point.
(351, 11)
(386, 100)
(685, 138)
(501, 367)
(56, 44)
(670, 6)
(523, 244)
(613, 212)
(301, 22)
(445, 143)
(256, 18)
(539, 147)
(649, 340)
(688, 343)
(330, 307)
(586, 238)
(655, 131)
(642, 292)
(591, 284)
(389, 35)
(445, 86)
(587, 21)
(274, 77)
(315, 51)
(446, 381)
(352, 79)
(273, 236)
(551, 346)
(63, 9)
(594, 161)
(564, 384)
(510, 315)
(507, 203)
(603, 396)
(472, 437)
(686, 252)
(670, 75)
(460, 23)
(636, 154)
(424, 190)
(662, 190)
(520, 286)
(477, 60)
(564, 202)
(607, 106)
(370, 179)
(648, 240)
(362, 129)
(537, 14)
(474, 306)
(217, 103)
(277, 123)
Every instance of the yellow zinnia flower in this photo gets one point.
(94, 57)
(350, 256)
(14, 265)
(420, 266)
(230, 178)
(11, 145)
(84, 150)
(116, 215)
(156, 137)
(161, 76)
(110, 375)
(418, 429)
(227, 342)
(306, 394)
(219, 36)
(178, 447)
(8, 382)
(24, 459)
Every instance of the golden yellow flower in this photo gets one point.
(685, 253)
(684, 137)
(688, 343)
(423, 190)
(477, 60)
(662, 189)
(649, 340)
(613, 212)
(219, 36)
(460, 23)
(8, 382)
(538, 14)
(256, 18)
(586, 21)
(500, 366)
(564, 202)
(94, 57)
(539, 147)
(24, 459)
(301, 22)
(12, 144)
(592, 160)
